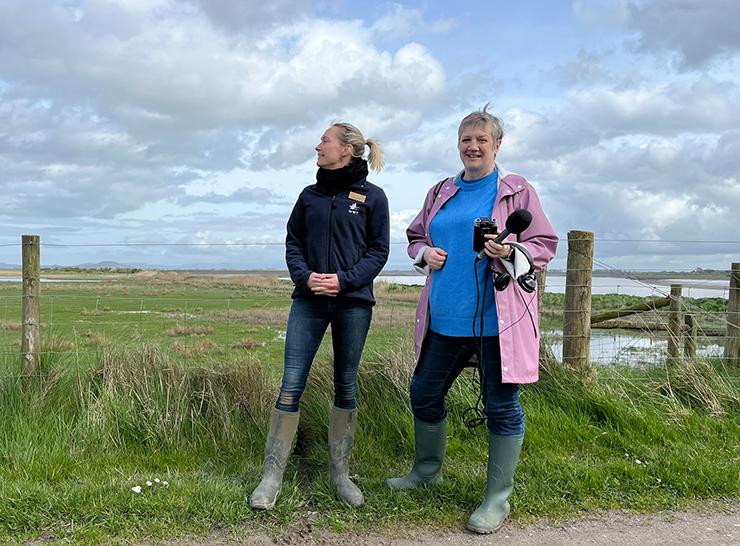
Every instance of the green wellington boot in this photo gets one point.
(431, 442)
(503, 456)
(283, 426)
(342, 425)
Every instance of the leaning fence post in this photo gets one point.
(577, 322)
(732, 343)
(30, 340)
(675, 324)
(689, 342)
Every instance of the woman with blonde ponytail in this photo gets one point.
(337, 243)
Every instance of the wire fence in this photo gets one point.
(211, 314)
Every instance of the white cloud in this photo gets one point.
(694, 33)
(402, 21)
(697, 31)
(697, 105)
(597, 114)
(175, 70)
(146, 99)
(250, 15)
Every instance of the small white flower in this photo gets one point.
(659, 480)
(156, 480)
(638, 461)
(148, 483)
(166, 483)
(626, 455)
(136, 489)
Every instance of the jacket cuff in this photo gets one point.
(304, 279)
(419, 264)
(341, 277)
(519, 262)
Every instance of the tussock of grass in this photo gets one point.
(54, 343)
(264, 316)
(698, 384)
(248, 343)
(97, 338)
(10, 326)
(142, 397)
(190, 330)
(192, 350)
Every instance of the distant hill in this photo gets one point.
(102, 265)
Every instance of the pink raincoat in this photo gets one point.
(519, 336)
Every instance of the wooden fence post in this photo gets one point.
(675, 324)
(732, 343)
(31, 339)
(577, 321)
(689, 341)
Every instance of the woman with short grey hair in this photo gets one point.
(460, 315)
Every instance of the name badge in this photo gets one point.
(357, 197)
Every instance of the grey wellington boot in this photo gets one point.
(342, 425)
(431, 443)
(503, 456)
(283, 426)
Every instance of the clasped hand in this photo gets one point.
(324, 284)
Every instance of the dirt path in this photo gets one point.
(691, 528)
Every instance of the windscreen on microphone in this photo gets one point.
(517, 222)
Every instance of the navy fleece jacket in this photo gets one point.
(347, 234)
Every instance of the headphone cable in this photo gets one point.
(478, 416)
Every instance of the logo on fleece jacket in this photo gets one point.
(354, 208)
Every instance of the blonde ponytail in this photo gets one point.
(349, 134)
(375, 157)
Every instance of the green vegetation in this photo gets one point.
(182, 393)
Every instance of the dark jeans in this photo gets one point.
(442, 359)
(307, 323)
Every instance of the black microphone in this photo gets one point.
(517, 222)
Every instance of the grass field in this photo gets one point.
(171, 377)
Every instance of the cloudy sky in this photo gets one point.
(127, 124)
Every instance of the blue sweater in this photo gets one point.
(453, 297)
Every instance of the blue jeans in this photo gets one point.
(442, 359)
(307, 323)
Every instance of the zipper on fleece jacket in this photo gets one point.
(330, 237)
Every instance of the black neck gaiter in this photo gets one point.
(335, 181)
